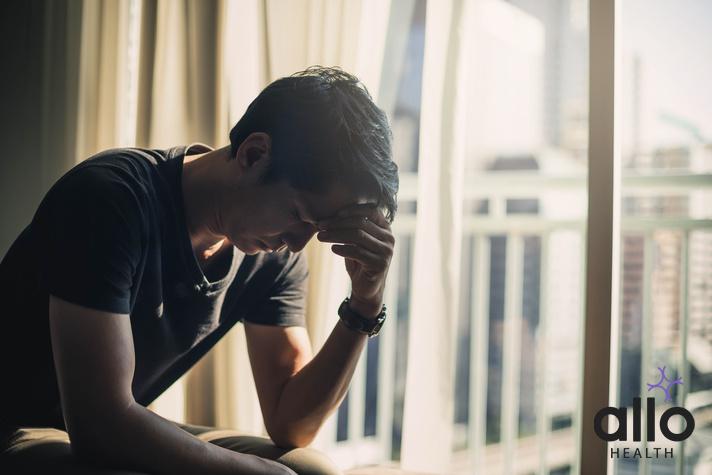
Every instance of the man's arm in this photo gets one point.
(94, 358)
(297, 392)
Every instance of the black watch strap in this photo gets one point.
(359, 323)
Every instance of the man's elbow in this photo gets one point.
(86, 447)
(97, 435)
(292, 436)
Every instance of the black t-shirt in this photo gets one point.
(111, 235)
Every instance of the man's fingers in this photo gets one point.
(360, 255)
(360, 222)
(361, 233)
(358, 237)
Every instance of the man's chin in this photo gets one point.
(249, 248)
(256, 246)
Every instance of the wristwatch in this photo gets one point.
(359, 323)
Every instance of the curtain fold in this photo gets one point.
(100, 91)
(427, 434)
(185, 73)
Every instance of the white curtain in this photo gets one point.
(429, 393)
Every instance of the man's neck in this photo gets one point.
(200, 183)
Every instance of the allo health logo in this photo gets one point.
(664, 384)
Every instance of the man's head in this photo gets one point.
(324, 130)
(324, 140)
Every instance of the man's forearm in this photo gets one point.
(317, 389)
(139, 439)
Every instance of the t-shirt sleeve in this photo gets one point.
(285, 303)
(92, 231)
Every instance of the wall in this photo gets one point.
(39, 52)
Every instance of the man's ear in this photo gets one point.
(254, 149)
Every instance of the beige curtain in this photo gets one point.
(104, 102)
(185, 86)
(150, 74)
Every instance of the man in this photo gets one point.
(138, 261)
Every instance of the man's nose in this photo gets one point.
(297, 239)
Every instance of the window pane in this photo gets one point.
(342, 419)
(524, 224)
(371, 409)
(404, 272)
(403, 78)
(665, 243)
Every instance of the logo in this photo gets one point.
(621, 415)
(665, 389)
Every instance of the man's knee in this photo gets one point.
(304, 461)
(309, 461)
(47, 452)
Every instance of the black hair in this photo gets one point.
(324, 130)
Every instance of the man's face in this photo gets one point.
(280, 216)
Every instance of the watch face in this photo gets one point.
(378, 326)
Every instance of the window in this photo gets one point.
(518, 378)
(666, 243)
(520, 332)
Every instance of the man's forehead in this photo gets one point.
(315, 207)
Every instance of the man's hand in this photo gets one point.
(363, 237)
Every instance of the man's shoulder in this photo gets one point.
(116, 176)
(118, 165)
(115, 191)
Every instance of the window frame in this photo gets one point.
(601, 315)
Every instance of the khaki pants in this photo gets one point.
(47, 451)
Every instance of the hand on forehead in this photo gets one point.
(354, 213)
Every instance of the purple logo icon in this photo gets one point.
(666, 389)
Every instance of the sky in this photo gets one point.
(673, 39)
